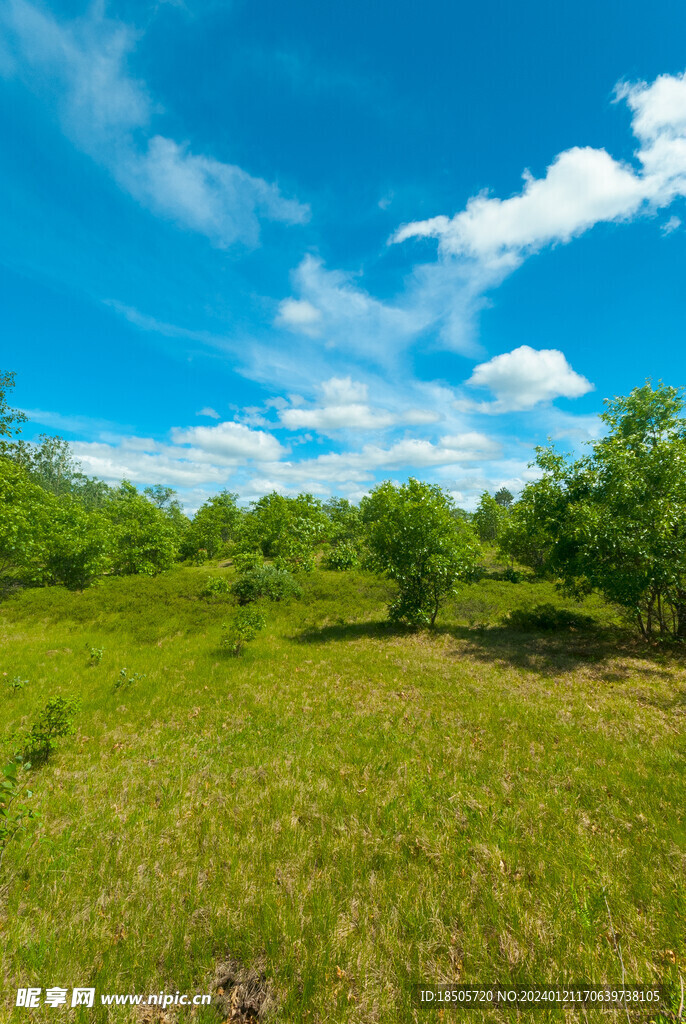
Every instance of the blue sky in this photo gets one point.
(264, 246)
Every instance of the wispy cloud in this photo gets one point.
(343, 406)
(108, 114)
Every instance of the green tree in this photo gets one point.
(27, 513)
(615, 519)
(9, 418)
(489, 519)
(416, 540)
(286, 529)
(504, 497)
(214, 526)
(78, 548)
(143, 538)
(166, 500)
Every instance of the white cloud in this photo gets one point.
(218, 200)
(581, 187)
(230, 441)
(209, 411)
(107, 113)
(345, 407)
(331, 306)
(524, 377)
(673, 224)
(298, 314)
(404, 455)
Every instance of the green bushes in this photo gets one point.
(243, 627)
(215, 585)
(265, 581)
(547, 618)
(144, 538)
(342, 557)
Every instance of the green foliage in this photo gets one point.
(415, 539)
(503, 497)
(245, 560)
(528, 534)
(9, 418)
(215, 585)
(490, 518)
(286, 529)
(547, 618)
(26, 512)
(265, 581)
(17, 683)
(342, 556)
(144, 539)
(95, 654)
(55, 720)
(78, 546)
(345, 521)
(214, 526)
(126, 679)
(615, 520)
(14, 811)
(243, 627)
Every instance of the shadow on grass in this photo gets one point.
(347, 631)
(546, 651)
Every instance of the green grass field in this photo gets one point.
(344, 810)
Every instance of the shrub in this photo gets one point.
(245, 560)
(216, 585)
(17, 683)
(342, 556)
(95, 654)
(56, 719)
(266, 581)
(245, 625)
(548, 618)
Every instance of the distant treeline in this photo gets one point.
(613, 521)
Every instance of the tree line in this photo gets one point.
(612, 521)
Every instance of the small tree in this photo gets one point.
(504, 497)
(415, 539)
(213, 527)
(489, 518)
(243, 627)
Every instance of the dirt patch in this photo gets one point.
(244, 994)
(154, 1015)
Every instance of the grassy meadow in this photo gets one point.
(345, 809)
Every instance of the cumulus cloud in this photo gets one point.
(405, 455)
(229, 441)
(524, 377)
(582, 187)
(344, 406)
(108, 113)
